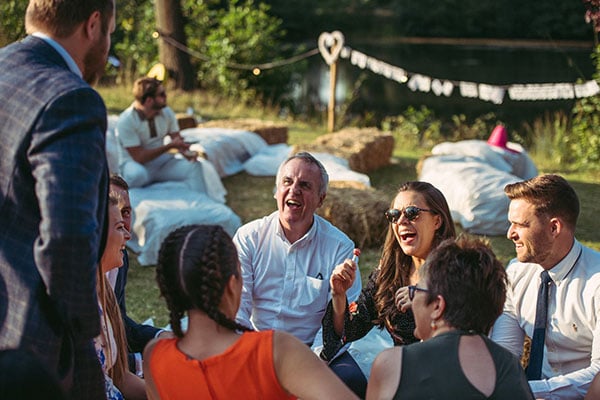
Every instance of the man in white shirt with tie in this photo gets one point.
(543, 215)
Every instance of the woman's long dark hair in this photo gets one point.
(194, 265)
(394, 267)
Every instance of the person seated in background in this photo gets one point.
(111, 346)
(144, 157)
(199, 273)
(419, 220)
(138, 335)
(460, 293)
(288, 256)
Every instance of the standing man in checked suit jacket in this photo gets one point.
(53, 188)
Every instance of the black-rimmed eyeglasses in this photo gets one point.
(412, 289)
(411, 213)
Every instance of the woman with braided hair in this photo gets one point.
(216, 358)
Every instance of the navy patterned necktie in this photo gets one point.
(534, 368)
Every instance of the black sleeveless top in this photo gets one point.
(431, 370)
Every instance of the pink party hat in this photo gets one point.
(499, 137)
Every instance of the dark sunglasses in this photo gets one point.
(411, 213)
(412, 289)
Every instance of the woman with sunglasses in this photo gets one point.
(460, 293)
(419, 221)
(216, 357)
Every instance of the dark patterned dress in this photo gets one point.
(360, 322)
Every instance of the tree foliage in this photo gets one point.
(232, 40)
(12, 21)
(584, 145)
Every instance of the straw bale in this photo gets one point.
(186, 121)
(271, 132)
(357, 210)
(366, 149)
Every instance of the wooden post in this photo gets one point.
(331, 107)
(330, 46)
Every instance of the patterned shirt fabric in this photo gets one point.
(112, 393)
(360, 322)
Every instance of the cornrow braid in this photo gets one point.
(195, 264)
(168, 283)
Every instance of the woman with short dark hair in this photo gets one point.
(460, 293)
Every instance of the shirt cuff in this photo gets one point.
(138, 365)
(540, 389)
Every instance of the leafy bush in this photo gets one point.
(585, 143)
(233, 40)
(421, 128)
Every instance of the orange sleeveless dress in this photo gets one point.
(243, 371)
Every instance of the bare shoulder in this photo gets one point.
(385, 374)
(303, 374)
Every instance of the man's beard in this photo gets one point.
(94, 62)
(158, 107)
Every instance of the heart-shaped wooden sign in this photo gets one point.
(330, 45)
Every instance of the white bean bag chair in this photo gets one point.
(472, 175)
(163, 207)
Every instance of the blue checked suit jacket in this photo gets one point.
(53, 194)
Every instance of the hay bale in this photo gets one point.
(186, 121)
(271, 132)
(366, 149)
(357, 210)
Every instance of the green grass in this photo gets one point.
(252, 197)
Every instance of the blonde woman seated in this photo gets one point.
(111, 346)
(216, 358)
(460, 293)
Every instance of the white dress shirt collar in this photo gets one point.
(562, 269)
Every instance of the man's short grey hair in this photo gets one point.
(309, 159)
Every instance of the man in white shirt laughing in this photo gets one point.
(287, 257)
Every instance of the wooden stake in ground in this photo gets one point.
(330, 46)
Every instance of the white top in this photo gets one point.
(286, 286)
(133, 130)
(572, 345)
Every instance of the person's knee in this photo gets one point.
(135, 174)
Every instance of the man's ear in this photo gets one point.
(321, 200)
(93, 25)
(556, 226)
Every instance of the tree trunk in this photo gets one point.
(169, 20)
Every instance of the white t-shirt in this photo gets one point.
(133, 130)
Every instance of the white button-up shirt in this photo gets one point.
(572, 345)
(285, 285)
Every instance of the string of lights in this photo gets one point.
(255, 68)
